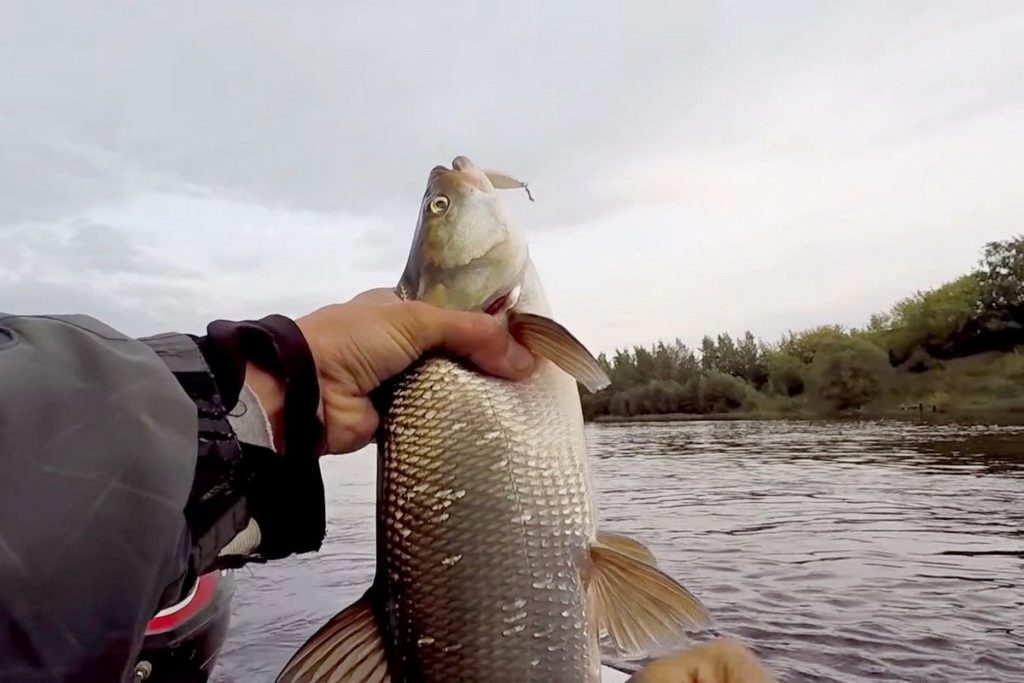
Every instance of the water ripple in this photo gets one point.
(841, 551)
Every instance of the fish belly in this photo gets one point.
(485, 521)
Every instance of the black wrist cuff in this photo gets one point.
(236, 481)
(287, 501)
(276, 345)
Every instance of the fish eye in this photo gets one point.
(439, 204)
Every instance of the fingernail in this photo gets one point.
(519, 359)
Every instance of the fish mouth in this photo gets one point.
(497, 306)
(463, 172)
(501, 302)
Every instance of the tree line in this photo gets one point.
(827, 368)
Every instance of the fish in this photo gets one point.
(490, 563)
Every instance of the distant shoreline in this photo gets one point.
(689, 417)
(966, 415)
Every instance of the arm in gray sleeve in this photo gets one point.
(97, 454)
(121, 479)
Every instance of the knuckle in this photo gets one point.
(415, 316)
(483, 325)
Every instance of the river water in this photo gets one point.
(840, 551)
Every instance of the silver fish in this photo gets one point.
(490, 566)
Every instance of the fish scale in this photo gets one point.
(490, 529)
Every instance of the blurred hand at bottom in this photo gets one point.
(720, 661)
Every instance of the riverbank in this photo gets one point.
(964, 415)
(955, 350)
(689, 417)
(980, 388)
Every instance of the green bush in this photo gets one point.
(934, 320)
(848, 373)
(804, 345)
(921, 361)
(785, 374)
(720, 393)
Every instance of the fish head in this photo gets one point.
(466, 253)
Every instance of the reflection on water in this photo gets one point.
(841, 551)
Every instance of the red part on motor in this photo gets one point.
(176, 615)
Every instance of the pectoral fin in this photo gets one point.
(637, 605)
(347, 649)
(544, 337)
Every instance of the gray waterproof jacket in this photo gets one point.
(122, 478)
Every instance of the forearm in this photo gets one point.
(97, 454)
(123, 477)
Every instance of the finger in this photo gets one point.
(476, 337)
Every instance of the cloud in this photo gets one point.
(341, 107)
(696, 166)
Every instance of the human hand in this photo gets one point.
(724, 660)
(375, 336)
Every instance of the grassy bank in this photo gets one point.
(960, 415)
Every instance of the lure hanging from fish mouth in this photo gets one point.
(502, 181)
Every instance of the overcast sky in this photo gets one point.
(698, 167)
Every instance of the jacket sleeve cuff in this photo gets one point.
(248, 503)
